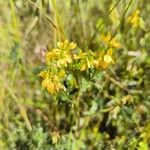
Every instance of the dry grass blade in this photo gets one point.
(47, 17)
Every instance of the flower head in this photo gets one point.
(84, 59)
(135, 20)
(61, 56)
(110, 41)
(66, 45)
(51, 82)
(55, 137)
(104, 60)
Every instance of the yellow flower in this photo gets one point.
(51, 83)
(54, 54)
(51, 88)
(85, 59)
(108, 57)
(59, 44)
(112, 42)
(86, 64)
(95, 130)
(81, 55)
(55, 137)
(106, 38)
(110, 51)
(45, 82)
(62, 44)
(83, 67)
(61, 56)
(103, 64)
(42, 74)
(104, 60)
(66, 41)
(72, 45)
(48, 84)
(61, 73)
(135, 19)
(64, 60)
(66, 44)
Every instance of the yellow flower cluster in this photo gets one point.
(110, 41)
(66, 45)
(56, 59)
(85, 60)
(61, 55)
(55, 137)
(135, 20)
(67, 56)
(51, 82)
(105, 59)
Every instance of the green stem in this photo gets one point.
(58, 18)
(94, 34)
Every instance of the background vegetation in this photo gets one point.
(113, 111)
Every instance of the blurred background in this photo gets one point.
(114, 112)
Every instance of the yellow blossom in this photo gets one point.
(66, 44)
(48, 84)
(62, 45)
(106, 38)
(51, 82)
(59, 44)
(83, 67)
(134, 19)
(72, 45)
(54, 54)
(55, 137)
(64, 60)
(108, 57)
(60, 58)
(114, 43)
(66, 41)
(84, 59)
(110, 51)
(95, 130)
(103, 64)
(104, 60)
(61, 73)
(45, 82)
(42, 74)
(51, 87)
(86, 64)
(81, 55)
(110, 41)
(87, 61)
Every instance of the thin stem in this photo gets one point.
(47, 17)
(100, 111)
(92, 37)
(58, 17)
